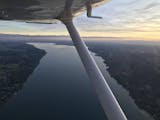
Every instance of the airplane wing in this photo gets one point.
(40, 10)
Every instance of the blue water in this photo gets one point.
(59, 89)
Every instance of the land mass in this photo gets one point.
(137, 68)
(17, 62)
(134, 64)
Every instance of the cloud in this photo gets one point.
(118, 16)
(126, 15)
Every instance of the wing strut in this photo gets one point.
(107, 100)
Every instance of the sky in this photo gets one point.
(126, 19)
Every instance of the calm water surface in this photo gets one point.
(59, 89)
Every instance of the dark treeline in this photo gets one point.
(17, 62)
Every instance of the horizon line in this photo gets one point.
(89, 37)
